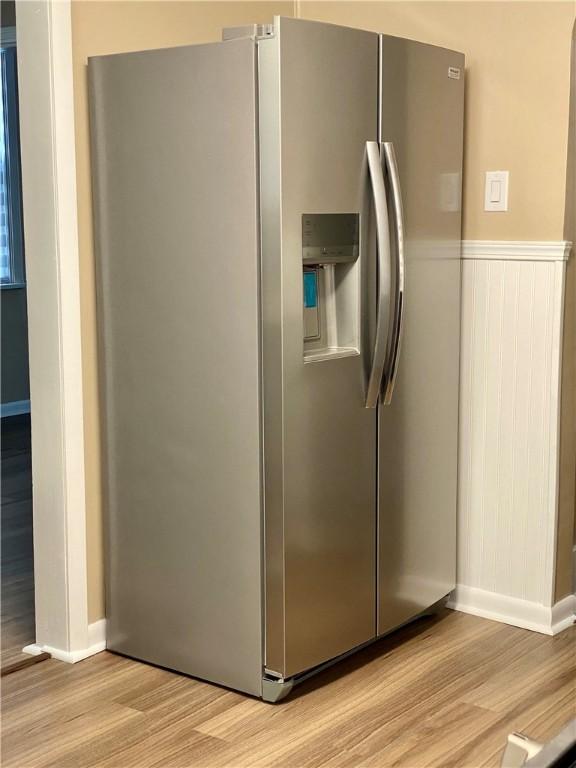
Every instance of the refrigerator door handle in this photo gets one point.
(393, 357)
(376, 174)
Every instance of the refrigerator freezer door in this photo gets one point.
(174, 147)
(320, 459)
(422, 115)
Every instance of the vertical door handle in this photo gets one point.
(384, 272)
(393, 356)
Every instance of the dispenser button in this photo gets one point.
(310, 290)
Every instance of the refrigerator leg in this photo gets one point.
(275, 690)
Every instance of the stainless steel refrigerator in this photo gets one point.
(277, 226)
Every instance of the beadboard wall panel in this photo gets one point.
(512, 301)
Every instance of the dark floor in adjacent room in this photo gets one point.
(17, 620)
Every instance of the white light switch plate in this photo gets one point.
(496, 191)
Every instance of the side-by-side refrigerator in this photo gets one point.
(277, 221)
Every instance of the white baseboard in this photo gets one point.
(563, 614)
(97, 636)
(15, 408)
(32, 650)
(512, 610)
(96, 644)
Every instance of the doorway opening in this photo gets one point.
(16, 531)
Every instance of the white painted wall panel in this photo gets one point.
(511, 333)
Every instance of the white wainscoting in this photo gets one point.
(512, 304)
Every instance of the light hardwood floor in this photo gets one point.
(442, 692)
(17, 552)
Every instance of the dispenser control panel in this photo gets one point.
(329, 238)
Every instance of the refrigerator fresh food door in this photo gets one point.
(174, 149)
(421, 121)
(318, 87)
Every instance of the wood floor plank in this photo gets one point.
(445, 692)
(470, 670)
(529, 670)
(432, 741)
(359, 722)
(41, 746)
(175, 741)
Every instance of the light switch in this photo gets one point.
(496, 191)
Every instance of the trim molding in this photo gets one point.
(96, 644)
(14, 408)
(97, 636)
(32, 650)
(46, 96)
(517, 250)
(563, 614)
(512, 610)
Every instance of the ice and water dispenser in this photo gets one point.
(330, 271)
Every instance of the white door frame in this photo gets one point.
(44, 41)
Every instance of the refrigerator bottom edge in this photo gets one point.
(277, 688)
(272, 688)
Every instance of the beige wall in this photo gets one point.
(112, 27)
(517, 84)
(566, 538)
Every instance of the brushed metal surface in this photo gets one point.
(422, 114)
(384, 272)
(329, 238)
(320, 441)
(397, 322)
(174, 147)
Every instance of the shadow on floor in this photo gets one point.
(386, 646)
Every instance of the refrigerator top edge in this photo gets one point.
(158, 51)
(278, 20)
(425, 45)
(260, 32)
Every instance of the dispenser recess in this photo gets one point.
(330, 250)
